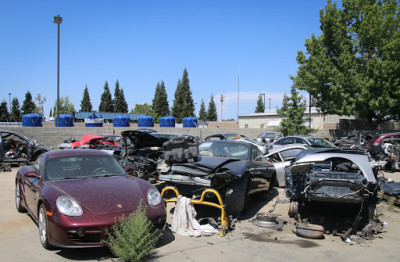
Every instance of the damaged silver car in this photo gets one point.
(333, 187)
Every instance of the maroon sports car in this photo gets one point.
(75, 195)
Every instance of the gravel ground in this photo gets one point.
(247, 242)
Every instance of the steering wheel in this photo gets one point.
(99, 171)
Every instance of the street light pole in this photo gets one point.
(58, 20)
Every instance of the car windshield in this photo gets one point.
(82, 166)
(224, 149)
(315, 141)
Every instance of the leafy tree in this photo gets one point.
(51, 113)
(66, 107)
(353, 67)
(183, 104)
(292, 111)
(40, 101)
(260, 105)
(160, 102)
(4, 115)
(106, 102)
(120, 104)
(86, 104)
(28, 107)
(15, 110)
(202, 112)
(212, 110)
(142, 109)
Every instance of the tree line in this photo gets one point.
(183, 105)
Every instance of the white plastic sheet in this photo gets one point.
(184, 222)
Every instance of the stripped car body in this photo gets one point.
(235, 169)
(333, 178)
(16, 148)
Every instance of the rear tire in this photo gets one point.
(43, 228)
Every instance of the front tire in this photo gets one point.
(235, 200)
(18, 199)
(43, 228)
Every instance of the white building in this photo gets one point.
(271, 120)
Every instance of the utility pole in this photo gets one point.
(269, 99)
(222, 101)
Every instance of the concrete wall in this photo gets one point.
(53, 136)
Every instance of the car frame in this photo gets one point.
(333, 178)
(94, 184)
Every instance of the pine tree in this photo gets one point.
(4, 115)
(212, 110)
(123, 105)
(260, 105)
(292, 112)
(183, 103)
(86, 104)
(15, 110)
(28, 106)
(160, 102)
(202, 112)
(106, 102)
(120, 104)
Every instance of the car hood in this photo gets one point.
(142, 139)
(217, 164)
(361, 161)
(104, 194)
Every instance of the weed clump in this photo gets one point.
(134, 237)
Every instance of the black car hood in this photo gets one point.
(143, 140)
(236, 167)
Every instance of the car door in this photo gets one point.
(260, 171)
(31, 188)
(286, 156)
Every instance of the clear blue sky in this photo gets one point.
(141, 43)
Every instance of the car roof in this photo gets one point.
(286, 147)
(73, 152)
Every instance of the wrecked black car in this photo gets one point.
(18, 149)
(333, 187)
(235, 169)
(140, 151)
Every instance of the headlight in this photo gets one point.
(153, 197)
(68, 206)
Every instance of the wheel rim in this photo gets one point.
(17, 196)
(42, 225)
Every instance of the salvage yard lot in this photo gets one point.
(247, 242)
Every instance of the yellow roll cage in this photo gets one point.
(220, 205)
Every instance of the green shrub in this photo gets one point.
(133, 237)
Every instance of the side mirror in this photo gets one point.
(31, 174)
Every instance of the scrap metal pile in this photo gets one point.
(383, 148)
